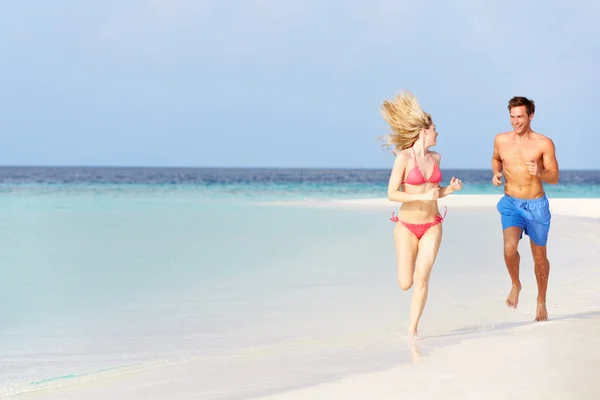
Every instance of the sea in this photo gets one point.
(260, 184)
(110, 271)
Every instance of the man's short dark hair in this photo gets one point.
(518, 101)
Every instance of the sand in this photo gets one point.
(556, 359)
(586, 208)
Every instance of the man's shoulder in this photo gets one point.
(541, 136)
(502, 137)
(543, 140)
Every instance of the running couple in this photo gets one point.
(524, 157)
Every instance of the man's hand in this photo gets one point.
(533, 168)
(497, 179)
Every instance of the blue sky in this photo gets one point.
(267, 83)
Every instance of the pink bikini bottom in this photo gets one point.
(420, 229)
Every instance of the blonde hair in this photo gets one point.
(406, 119)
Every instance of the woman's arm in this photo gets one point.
(455, 184)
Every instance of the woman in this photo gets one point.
(414, 182)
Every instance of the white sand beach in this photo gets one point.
(343, 318)
(586, 208)
(557, 359)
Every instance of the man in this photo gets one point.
(526, 159)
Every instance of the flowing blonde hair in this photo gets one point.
(406, 119)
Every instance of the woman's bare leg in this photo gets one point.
(427, 252)
(406, 255)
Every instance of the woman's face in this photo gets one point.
(430, 136)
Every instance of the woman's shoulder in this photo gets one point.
(402, 152)
(437, 156)
(402, 155)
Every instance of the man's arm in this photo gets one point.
(496, 160)
(549, 172)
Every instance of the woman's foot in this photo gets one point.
(414, 350)
(413, 335)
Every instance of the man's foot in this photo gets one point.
(513, 297)
(541, 313)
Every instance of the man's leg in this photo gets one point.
(542, 273)
(512, 228)
(512, 235)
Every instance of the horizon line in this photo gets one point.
(108, 166)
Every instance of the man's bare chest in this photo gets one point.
(519, 153)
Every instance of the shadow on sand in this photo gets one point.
(511, 325)
(428, 343)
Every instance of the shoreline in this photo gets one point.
(566, 207)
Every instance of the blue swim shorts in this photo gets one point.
(532, 216)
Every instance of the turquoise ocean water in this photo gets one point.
(111, 270)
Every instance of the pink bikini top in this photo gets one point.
(415, 177)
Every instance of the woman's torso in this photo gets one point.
(420, 176)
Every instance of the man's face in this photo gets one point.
(519, 119)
